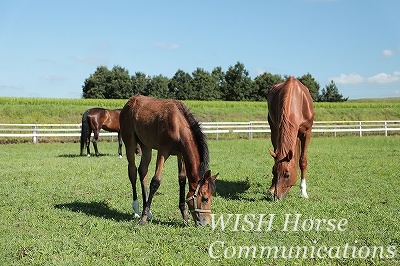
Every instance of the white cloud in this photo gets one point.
(169, 46)
(383, 78)
(387, 53)
(348, 79)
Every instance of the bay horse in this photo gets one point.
(170, 128)
(290, 116)
(95, 119)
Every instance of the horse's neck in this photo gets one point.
(287, 136)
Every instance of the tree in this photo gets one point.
(219, 79)
(95, 85)
(264, 82)
(203, 85)
(239, 86)
(118, 84)
(311, 84)
(158, 87)
(331, 94)
(106, 84)
(180, 86)
(139, 82)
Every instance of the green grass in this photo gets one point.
(61, 209)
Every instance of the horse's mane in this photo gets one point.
(199, 137)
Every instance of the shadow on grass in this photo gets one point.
(242, 190)
(97, 209)
(231, 189)
(101, 210)
(77, 155)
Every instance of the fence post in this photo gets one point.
(360, 125)
(217, 131)
(335, 127)
(386, 133)
(34, 134)
(250, 131)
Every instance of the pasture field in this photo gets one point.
(66, 111)
(58, 208)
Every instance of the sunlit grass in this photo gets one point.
(59, 208)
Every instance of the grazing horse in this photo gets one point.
(168, 127)
(290, 116)
(95, 119)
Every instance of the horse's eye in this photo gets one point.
(204, 200)
(286, 175)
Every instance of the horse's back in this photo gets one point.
(292, 98)
(155, 122)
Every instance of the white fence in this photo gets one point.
(36, 131)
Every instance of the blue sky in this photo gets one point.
(48, 48)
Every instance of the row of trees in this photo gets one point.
(233, 85)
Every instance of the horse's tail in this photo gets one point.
(200, 138)
(85, 130)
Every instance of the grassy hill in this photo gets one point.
(39, 110)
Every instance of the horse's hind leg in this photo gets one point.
(182, 185)
(95, 140)
(143, 173)
(88, 143)
(119, 144)
(132, 174)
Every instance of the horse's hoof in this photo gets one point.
(120, 156)
(136, 216)
(143, 220)
(88, 155)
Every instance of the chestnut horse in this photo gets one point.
(168, 127)
(95, 119)
(290, 116)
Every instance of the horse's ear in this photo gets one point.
(273, 154)
(207, 175)
(289, 155)
(215, 176)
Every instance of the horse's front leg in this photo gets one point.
(154, 185)
(182, 185)
(304, 140)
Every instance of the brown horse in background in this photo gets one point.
(95, 119)
(290, 116)
(168, 127)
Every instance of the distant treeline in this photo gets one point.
(233, 85)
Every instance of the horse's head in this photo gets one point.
(199, 201)
(284, 172)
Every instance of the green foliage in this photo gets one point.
(106, 84)
(311, 84)
(232, 85)
(58, 208)
(239, 86)
(331, 94)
